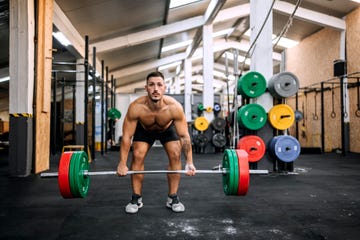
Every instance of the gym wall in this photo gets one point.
(312, 62)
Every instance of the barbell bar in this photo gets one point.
(74, 175)
(101, 173)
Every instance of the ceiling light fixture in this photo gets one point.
(61, 38)
(174, 64)
(4, 79)
(179, 3)
(176, 46)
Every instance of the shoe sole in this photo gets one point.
(170, 207)
(140, 206)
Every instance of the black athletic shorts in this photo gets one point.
(142, 135)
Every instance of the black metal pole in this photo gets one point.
(62, 111)
(322, 118)
(106, 103)
(102, 107)
(343, 143)
(112, 92)
(297, 122)
(53, 147)
(86, 65)
(93, 104)
(113, 106)
(73, 112)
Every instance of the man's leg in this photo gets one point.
(173, 150)
(140, 149)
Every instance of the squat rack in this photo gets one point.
(343, 113)
(88, 70)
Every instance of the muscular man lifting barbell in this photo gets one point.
(149, 118)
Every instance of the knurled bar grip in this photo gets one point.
(87, 173)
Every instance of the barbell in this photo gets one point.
(74, 176)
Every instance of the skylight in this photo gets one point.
(179, 3)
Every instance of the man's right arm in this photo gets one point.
(129, 127)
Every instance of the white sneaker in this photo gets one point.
(134, 205)
(174, 204)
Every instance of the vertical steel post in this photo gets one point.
(343, 134)
(86, 65)
(93, 105)
(322, 118)
(102, 107)
(54, 116)
(106, 103)
(62, 110)
(297, 122)
(73, 112)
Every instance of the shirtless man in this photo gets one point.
(152, 117)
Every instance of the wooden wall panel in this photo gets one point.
(312, 61)
(43, 85)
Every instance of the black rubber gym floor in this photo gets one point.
(320, 201)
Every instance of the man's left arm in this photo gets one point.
(183, 133)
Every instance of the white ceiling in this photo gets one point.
(129, 34)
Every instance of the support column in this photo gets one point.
(43, 84)
(176, 85)
(208, 66)
(21, 69)
(261, 61)
(80, 96)
(188, 87)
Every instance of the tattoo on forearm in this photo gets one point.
(186, 146)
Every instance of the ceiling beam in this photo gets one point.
(213, 10)
(219, 45)
(169, 29)
(64, 25)
(310, 16)
(148, 35)
(77, 47)
(209, 16)
(133, 69)
(233, 12)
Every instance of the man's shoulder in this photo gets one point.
(170, 100)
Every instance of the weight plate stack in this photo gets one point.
(114, 114)
(218, 123)
(200, 140)
(244, 176)
(285, 148)
(254, 146)
(219, 140)
(281, 116)
(235, 169)
(79, 182)
(227, 184)
(283, 85)
(63, 178)
(201, 124)
(251, 85)
(252, 116)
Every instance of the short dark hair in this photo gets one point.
(155, 74)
